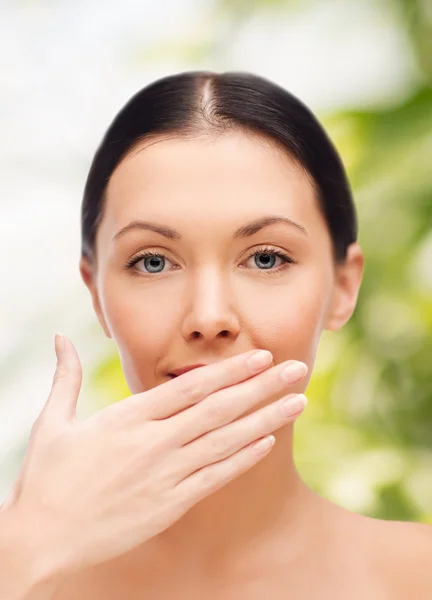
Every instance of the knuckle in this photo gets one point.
(36, 427)
(219, 447)
(189, 389)
(60, 374)
(207, 479)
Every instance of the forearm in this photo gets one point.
(25, 570)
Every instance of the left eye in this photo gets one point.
(265, 259)
(153, 261)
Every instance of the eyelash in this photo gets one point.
(262, 250)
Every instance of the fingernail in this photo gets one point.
(260, 359)
(293, 405)
(263, 445)
(59, 343)
(293, 370)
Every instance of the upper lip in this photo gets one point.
(185, 369)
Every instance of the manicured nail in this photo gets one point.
(293, 370)
(59, 343)
(293, 405)
(260, 359)
(263, 445)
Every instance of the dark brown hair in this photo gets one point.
(201, 102)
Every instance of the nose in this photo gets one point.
(211, 311)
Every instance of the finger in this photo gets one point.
(62, 401)
(225, 406)
(15, 492)
(211, 478)
(61, 404)
(186, 390)
(224, 442)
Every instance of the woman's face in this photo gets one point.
(217, 284)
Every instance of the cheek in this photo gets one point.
(136, 311)
(141, 322)
(288, 329)
(285, 319)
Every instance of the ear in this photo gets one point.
(88, 274)
(348, 278)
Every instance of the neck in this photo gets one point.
(267, 505)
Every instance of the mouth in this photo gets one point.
(178, 372)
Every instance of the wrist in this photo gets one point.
(25, 560)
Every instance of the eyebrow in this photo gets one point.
(243, 231)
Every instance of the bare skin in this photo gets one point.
(266, 531)
(346, 556)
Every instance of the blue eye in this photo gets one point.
(152, 260)
(265, 257)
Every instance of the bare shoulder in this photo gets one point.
(403, 552)
(394, 557)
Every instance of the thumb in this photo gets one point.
(60, 406)
(62, 401)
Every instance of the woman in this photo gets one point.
(217, 219)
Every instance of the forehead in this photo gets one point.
(227, 177)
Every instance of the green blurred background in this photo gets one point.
(365, 440)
